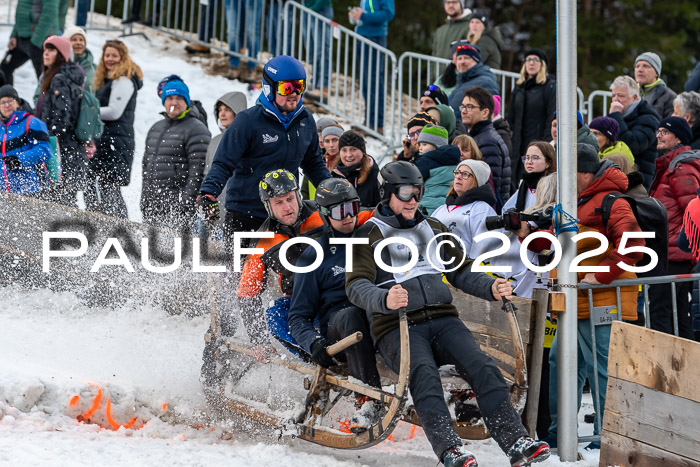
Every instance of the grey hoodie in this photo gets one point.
(238, 102)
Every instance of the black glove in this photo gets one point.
(319, 354)
(209, 206)
(12, 163)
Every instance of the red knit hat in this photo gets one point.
(61, 44)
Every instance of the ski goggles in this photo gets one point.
(431, 88)
(407, 192)
(343, 210)
(285, 88)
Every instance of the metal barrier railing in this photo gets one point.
(239, 28)
(604, 315)
(417, 71)
(356, 77)
(606, 96)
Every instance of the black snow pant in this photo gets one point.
(18, 56)
(447, 341)
(661, 308)
(361, 356)
(105, 197)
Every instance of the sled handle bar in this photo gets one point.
(343, 344)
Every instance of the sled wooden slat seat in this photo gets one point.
(491, 328)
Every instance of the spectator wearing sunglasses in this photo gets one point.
(319, 297)
(437, 335)
(455, 28)
(359, 168)
(278, 132)
(470, 74)
(532, 106)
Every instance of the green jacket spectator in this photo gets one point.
(456, 28)
(36, 20)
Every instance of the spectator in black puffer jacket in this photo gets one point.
(117, 81)
(532, 106)
(58, 105)
(173, 164)
(477, 111)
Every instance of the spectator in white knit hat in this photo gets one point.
(81, 54)
(647, 73)
(469, 202)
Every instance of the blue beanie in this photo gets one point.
(175, 88)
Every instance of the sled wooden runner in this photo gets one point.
(310, 427)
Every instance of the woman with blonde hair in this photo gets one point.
(117, 81)
(358, 168)
(531, 110)
(467, 147)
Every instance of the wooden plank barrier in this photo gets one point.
(652, 408)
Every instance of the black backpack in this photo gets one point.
(651, 216)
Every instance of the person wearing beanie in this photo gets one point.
(176, 149)
(606, 130)
(321, 124)
(647, 73)
(456, 27)
(444, 116)
(34, 22)
(359, 168)
(469, 202)
(117, 81)
(81, 54)
(410, 143)
(57, 103)
(432, 96)
(431, 137)
(225, 110)
(277, 132)
(676, 182)
(533, 103)
(436, 162)
(471, 73)
(595, 180)
(488, 38)
(25, 144)
(331, 155)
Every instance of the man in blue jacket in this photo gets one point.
(25, 146)
(471, 72)
(372, 19)
(320, 295)
(277, 133)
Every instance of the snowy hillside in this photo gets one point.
(136, 365)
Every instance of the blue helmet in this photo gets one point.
(280, 68)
